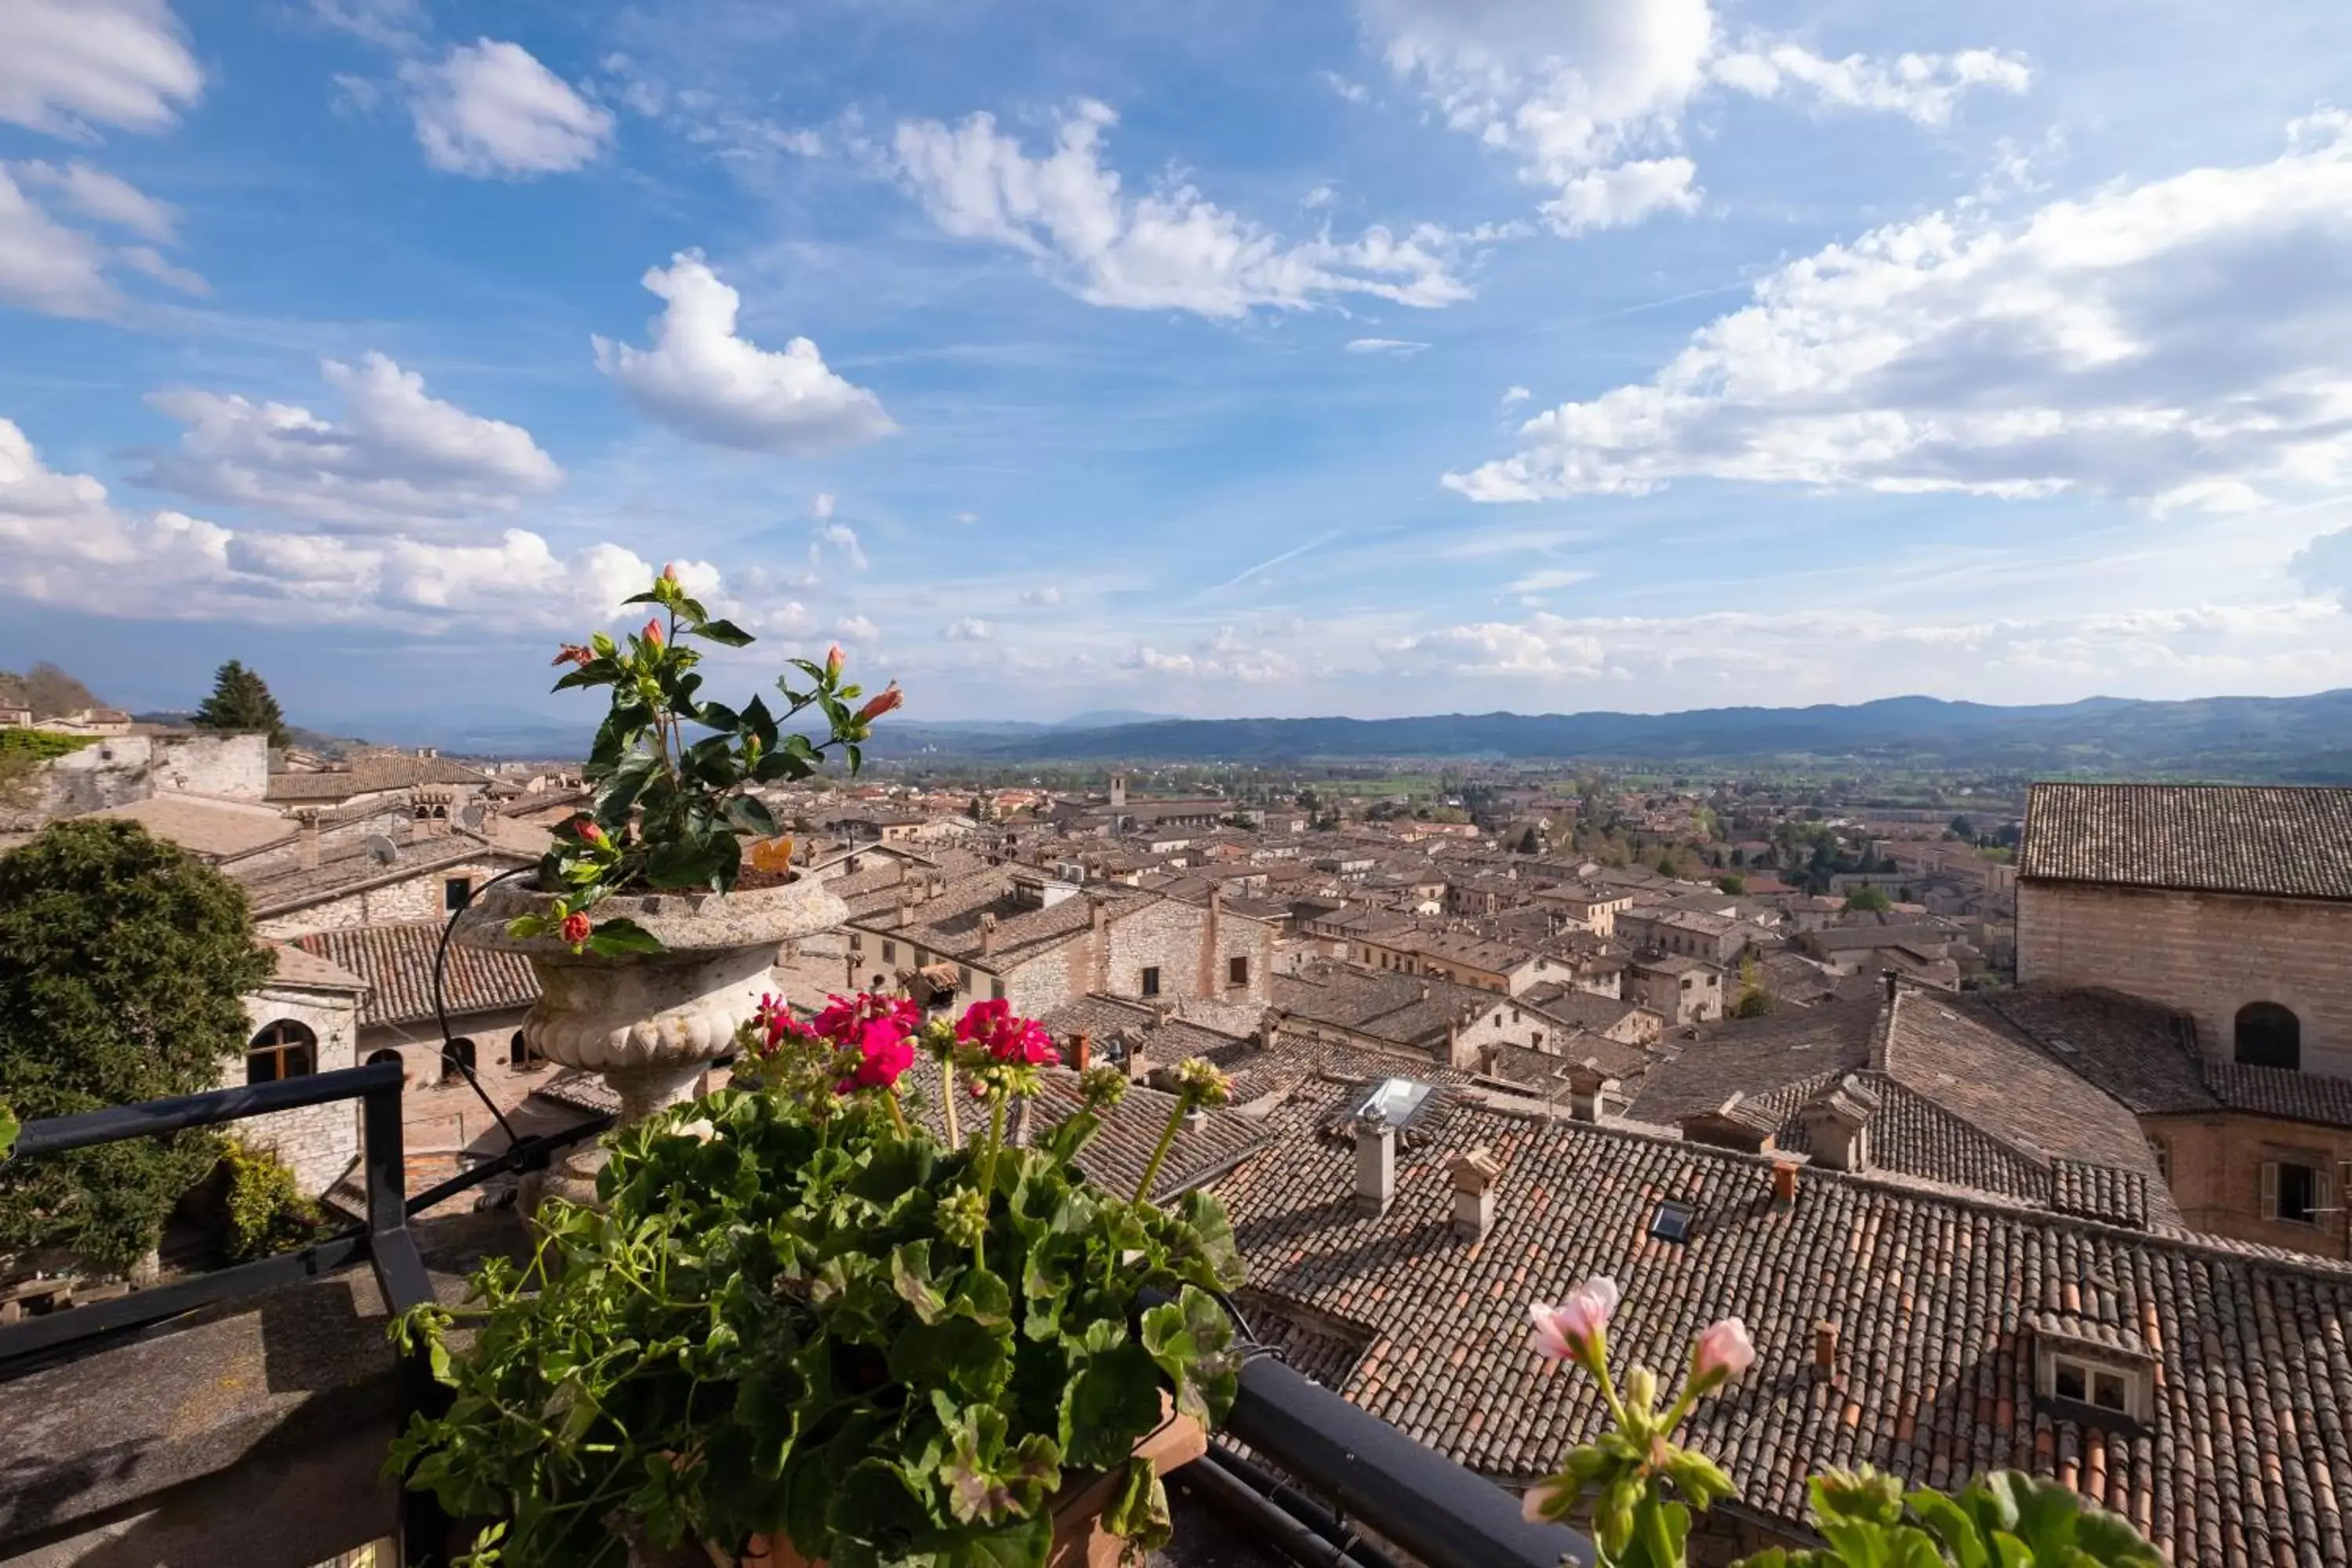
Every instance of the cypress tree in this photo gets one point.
(241, 703)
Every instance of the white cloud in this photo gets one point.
(107, 199)
(67, 66)
(969, 628)
(47, 266)
(387, 24)
(821, 507)
(1544, 646)
(1221, 656)
(1047, 594)
(491, 108)
(397, 458)
(856, 629)
(2172, 343)
(148, 260)
(1171, 248)
(65, 543)
(1922, 88)
(705, 382)
(1353, 91)
(966, 517)
(841, 537)
(1548, 579)
(1589, 95)
(1514, 396)
(1396, 348)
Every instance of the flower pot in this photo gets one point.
(650, 1024)
(1079, 1538)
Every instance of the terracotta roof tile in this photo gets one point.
(2274, 839)
(396, 962)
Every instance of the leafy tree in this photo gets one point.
(1868, 899)
(1734, 885)
(1755, 997)
(122, 960)
(241, 704)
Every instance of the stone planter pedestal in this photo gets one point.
(649, 1024)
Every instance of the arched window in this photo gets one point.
(520, 1054)
(283, 1049)
(457, 1057)
(2269, 1035)
(387, 1055)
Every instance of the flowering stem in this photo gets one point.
(897, 1116)
(1159, 1151)
(947, 1101)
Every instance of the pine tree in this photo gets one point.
(241, 702)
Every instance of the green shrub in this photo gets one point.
(267, 1211)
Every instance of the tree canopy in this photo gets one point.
(122, 963)
(1868, 900)
(241, 703)
(47, 690)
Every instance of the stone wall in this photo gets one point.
(121, 769)
(417, 897)
(1170, 936)
(2215, 1168)
(2208, 954)
(319, 1141)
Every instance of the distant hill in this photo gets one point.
(2296, 739)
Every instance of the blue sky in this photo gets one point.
(1385, 357)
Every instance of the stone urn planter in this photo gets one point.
(649, 1024)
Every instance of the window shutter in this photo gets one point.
(2270, 1189)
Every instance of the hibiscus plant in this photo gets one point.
(1639, 1488)
(673, 773)
(810, 1307)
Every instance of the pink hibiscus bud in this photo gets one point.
(881, 703)
(573, 653)
(669, 572)
(589, 832)
(833, 663)
(1722, 1354)
(576, 927)
(1576, 1329)
(653, 633)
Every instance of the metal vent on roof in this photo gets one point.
(1672, 1222)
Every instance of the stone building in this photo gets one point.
(2229, 903)
(305, 1020)
(485, 993)
(1678, 989)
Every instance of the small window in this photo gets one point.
(2298, 1193)
(856, 943)
(520, 1054)
(1237, 970)
(283, 1050)
(456, 893)
(1687, 981)
(963, 978)
(2161, 1150)
(2071, 1381)
(890, 952)
(457, 1057)
(1151, 980)
(996, 990)
(2109, 1392)
(1672, 1222)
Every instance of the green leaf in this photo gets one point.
(1139, 1512)
(10, 1128)
(1211, 1238)
(614, 937)
(911, 1275)
(751, 814)
(955, 1353)
(1112, 1401)
(1192, 1339)
(726, 634)
(984, 1299)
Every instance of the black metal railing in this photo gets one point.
(383, 1239)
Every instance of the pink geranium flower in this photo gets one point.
(1722, 1354)
(992, 1027)
(1573, 1329)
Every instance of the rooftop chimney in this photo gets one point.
(1082, 1049)
(1139, 1060)
(1837, 1125)
(1825, 1336)
(1375, 1164)
(1784, 1180)
(987, 935)
(1892, 980)
(1592, 1095)
(306, 855)
(1474, 1175)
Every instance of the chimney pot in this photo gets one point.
(1081, 1052)
(1375, 1165)
(1784, 1181)
(1888, 975)
(1825, 1337)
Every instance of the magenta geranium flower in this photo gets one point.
(992, 1027)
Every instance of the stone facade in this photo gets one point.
(318, 1142)
(417, 896)
(2207, 954)
(1168, 950)
(2214, 1163)
(120, 769)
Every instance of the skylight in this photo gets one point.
(1673, 1221)
(1396, 1101)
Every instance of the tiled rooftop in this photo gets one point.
(2274, 839)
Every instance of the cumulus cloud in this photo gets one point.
(62, 540)
(1221, 656)
(1170, 248)
(1514, 396)
(1589, 95)
(856, 629)
(703, 381)
(1045, 595)
(821, 507)
(841, 538)
(969, 628)
(107, 198)
(69, 66)
(396, 457)
(491, 108)
(386, 24)
(146, 259)
(1396, 348)
(2142, 342)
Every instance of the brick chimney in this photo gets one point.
(987, 935)
(1784, 1179)
(1082, 1051)
(1592, 1095)
(1375, 1164)
(306, 852)
(1825, 1338)
(1474, 1175)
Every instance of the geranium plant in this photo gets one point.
(673, 773)
(803, 1313)
(1640, 1487)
